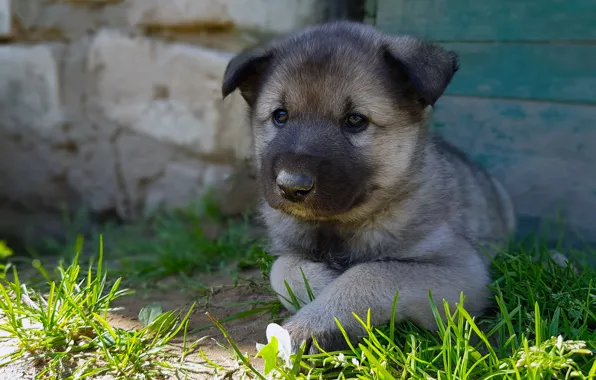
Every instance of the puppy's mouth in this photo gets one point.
(315, 211)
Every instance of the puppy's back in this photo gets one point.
(485, 206)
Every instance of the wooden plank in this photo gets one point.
(370, 12)
(498, 20)
(537, 72)
(544, 153)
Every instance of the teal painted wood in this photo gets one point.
(527, 71)
(496, 20)
(545, 154)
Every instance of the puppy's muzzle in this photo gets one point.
(294, 186)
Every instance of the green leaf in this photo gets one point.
(163, 322)
(148, 314)
(269, 354)
(5, 251)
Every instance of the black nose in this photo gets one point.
(294, 187)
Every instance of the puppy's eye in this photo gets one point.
(280, 116)
(355, 123)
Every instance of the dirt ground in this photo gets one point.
(224, 299)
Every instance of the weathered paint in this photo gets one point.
(539, 158)
(524, 101)
(345, 9)
(497, 20)
(526, 71)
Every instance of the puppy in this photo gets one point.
(358, 195)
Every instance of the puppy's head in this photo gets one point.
(337, 112)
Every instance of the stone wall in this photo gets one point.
(115, 105)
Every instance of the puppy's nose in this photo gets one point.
(295, 187)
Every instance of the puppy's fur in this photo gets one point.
(393, 209)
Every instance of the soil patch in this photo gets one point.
(219, 295)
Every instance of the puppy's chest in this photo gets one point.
(326, 244)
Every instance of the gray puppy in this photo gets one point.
(358, 195)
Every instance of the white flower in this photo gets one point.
(283, 339)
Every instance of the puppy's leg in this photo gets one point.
(374, 285)
(288, 268)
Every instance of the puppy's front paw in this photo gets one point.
(302, 329)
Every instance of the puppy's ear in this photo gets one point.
(245, 72)
(428, 67)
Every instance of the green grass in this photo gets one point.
(64, 333)
(179, 245)
(184, 241)
(542, 325)
(59, 321)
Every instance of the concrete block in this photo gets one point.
(29, 88)
(171, 93)
(5, 18)
(276, 16)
